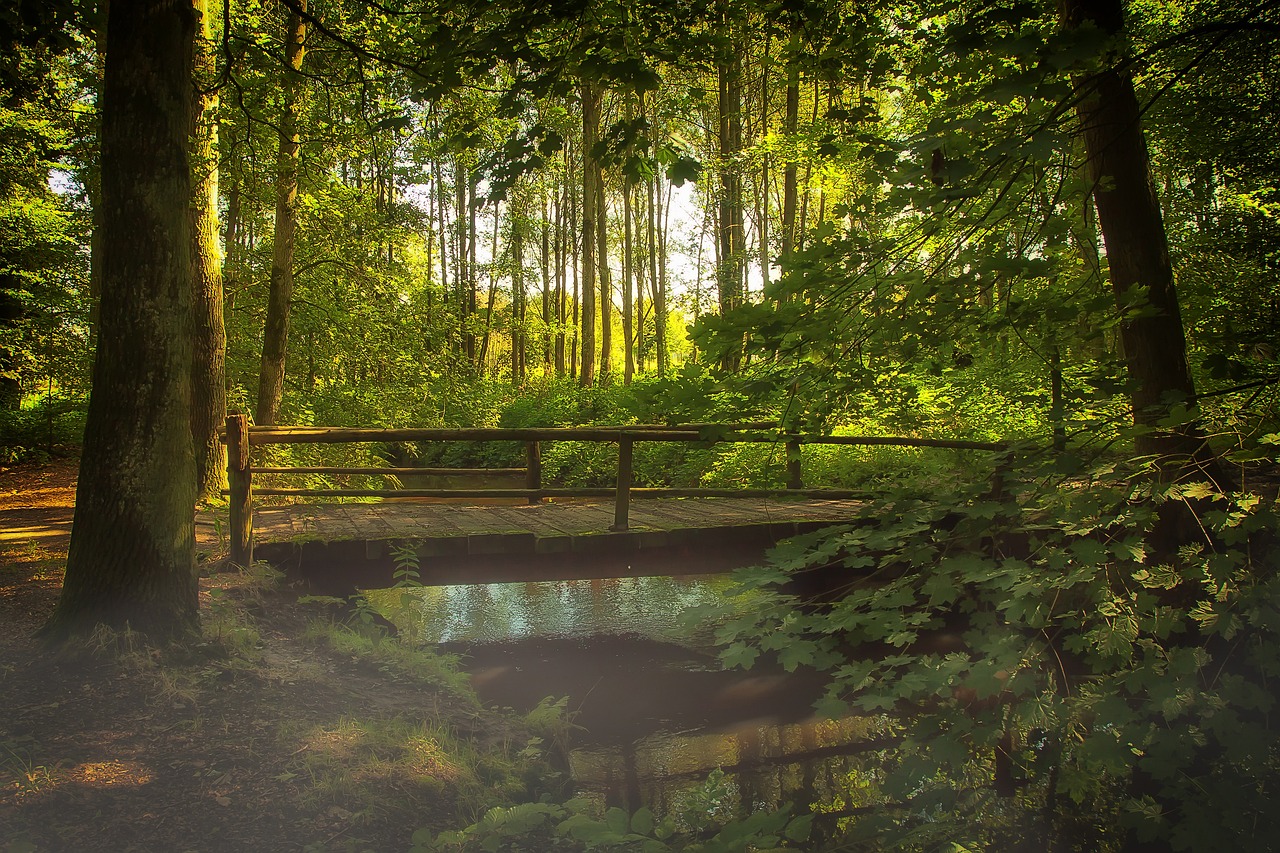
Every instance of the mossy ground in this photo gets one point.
(281, 731)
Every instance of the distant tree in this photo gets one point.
(131, 561)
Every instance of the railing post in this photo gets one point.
(622, 501)
(795, 479)
(533, 468)
(240, 484)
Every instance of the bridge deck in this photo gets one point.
(340, 545)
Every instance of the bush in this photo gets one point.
(42, 428)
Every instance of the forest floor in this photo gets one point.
(264, 738)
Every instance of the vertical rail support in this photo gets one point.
(533, 468)
(622, 501)
(795, 479)
(240, 483)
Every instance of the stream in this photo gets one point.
(653, 713)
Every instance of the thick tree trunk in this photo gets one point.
(275, 339)
(1136, 244)
(131, 560)
(208, 377)
(590, 201)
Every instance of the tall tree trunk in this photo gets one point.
(628, 285)
(132, 555)
(561, 313)
(93, 189)
(1136, 244)
(590, 206)
(518, 298)
(660, 285)
(472, 280)
(547, 287)
(730, 235)
(483, 361)
(460, 273)
(762, 207)
(276, 334)
(208, 378)
(605, 278)
(644, 252)
(442, 227)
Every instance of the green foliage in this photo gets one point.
(1112, 637)
(574, 826)
(44, 427)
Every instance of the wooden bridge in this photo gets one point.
(525, 531)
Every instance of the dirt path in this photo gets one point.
(257, 742)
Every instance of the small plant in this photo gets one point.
(29, 778)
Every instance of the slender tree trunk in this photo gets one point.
(208, 380)
(547, 287)
(132, 555)
(644, 252)
(442, 227)
(628, 285)
(803, 227)
(590, 206)
(1136, 245)
(605, 278)
(276, 334)
(660, 287)
(472, 280)
(561, 312)
(766, 258)
(518, 297)
(731, 255)
(483, 362)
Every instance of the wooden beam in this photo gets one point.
(622, 499)
(240, 483)
(533, 469)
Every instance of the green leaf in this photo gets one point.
(739, 655)
(642, 821)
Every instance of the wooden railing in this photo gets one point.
(240, 437)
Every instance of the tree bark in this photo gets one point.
(208, 377)
(275, 337)
(660, 284)
(730, 234)
(547, 287)
(1137, 247)
(590, 199)
(604, 276)
(131, 560)
(628, 281)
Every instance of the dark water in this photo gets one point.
(653, 712)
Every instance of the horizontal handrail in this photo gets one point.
(239, 437)
(709, 433)
(583, 492)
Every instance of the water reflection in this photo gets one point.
(508, 612)
(656, 712)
